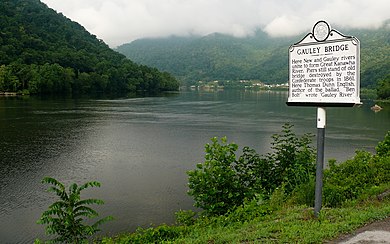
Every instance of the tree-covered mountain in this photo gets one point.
(259, 57)
(213, 57)
(42, 51)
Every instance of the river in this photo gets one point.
(140, 148)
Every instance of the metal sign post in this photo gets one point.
(324, 71)
(321, 123)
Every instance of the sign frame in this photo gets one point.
(325, 43)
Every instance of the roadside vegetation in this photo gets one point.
(252, 198)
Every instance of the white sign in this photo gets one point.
(324, 69)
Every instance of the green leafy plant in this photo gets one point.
(224, 182)
(365, 174)
(214, 184)
(185, 217)
(158, 234)
(249, 210)
(347, 181)
(292, 160)
(64, 218)
(383, 147)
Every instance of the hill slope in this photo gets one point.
(42, 51)
(222, 57)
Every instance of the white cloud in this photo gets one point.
(121, 21)
(286, 25)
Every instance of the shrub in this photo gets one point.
(185, 217)
(159, 234)
(249, 210)
(253, 171)
(364, 174)
(348, 180)
(214, 184)
(224, 182)
(304, 194)
(383, 148)
(64, 218)
(292, 160)
(345, 181)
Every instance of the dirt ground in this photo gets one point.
(376, 232)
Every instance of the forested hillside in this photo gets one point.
(42, 51)
(260, 57)
(213, 57)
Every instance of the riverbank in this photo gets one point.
(288, 224)
(355, 193)
(8, 94)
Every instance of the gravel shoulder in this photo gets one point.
(376, 232)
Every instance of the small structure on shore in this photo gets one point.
(376, 108)
(8, 94)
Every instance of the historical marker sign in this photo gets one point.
(324, 69)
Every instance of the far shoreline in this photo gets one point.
(8, 94)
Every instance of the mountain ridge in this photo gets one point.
(259, 57)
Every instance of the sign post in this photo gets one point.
(321, 123)
(324, 71)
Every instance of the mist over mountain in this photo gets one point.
(259, 57)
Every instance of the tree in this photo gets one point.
(65, 217)
(9, 82)
(383, 88)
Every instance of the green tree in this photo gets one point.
(383, 88)
(9, 82)
(65, 217)
(82, 83)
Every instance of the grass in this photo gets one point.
(293, 225)
(286, 224)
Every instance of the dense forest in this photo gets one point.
(213, 57)
(258, 57)
(43, 52)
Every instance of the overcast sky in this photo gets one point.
(122, 21)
